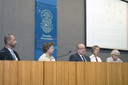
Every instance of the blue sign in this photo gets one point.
(45, 27)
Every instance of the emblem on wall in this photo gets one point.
(46, 23)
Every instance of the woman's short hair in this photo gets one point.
(115, 52)
(94, 47)
(46, 46)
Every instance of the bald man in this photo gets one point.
(80, 55)
(10, 43)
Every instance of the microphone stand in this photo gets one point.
(64, 54)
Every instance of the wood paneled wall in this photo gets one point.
(62, 73)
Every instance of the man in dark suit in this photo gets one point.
(10, 43)
(80, 55)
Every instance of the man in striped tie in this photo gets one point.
(80, 55)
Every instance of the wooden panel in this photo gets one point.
(87, 73)
(100, 73)
(62, 73)
(1, 72)
(24, 72)
(10, 72)
(49, 73)
(108, 73)
(80, 73)
(72, 73)
(114, 73)
(90, 73)
(124, 74)
(66, 73)
(93, 73)
(36, 73)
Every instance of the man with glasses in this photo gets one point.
(80, 55)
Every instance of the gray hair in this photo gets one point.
(115, 52)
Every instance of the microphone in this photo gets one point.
(64, 54)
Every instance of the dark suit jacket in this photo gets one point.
(8, 56)
(76, 57)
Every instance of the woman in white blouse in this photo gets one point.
(114, 56)
(48, 50)
(95, 51)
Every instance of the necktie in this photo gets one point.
(84, 58)
(96, 59)
(14, 56)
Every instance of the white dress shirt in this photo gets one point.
(13, 54)
(95, 59)
(44, 57)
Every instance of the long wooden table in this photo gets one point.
(62, 73)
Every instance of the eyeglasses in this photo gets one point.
(82, 49)
(115, 55)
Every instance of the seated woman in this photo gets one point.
(95, 52)
(114, 57)
(48, 50)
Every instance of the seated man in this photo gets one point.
(114, 57)
(10, 43)
(80, 55)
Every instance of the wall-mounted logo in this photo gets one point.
(46, 23)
